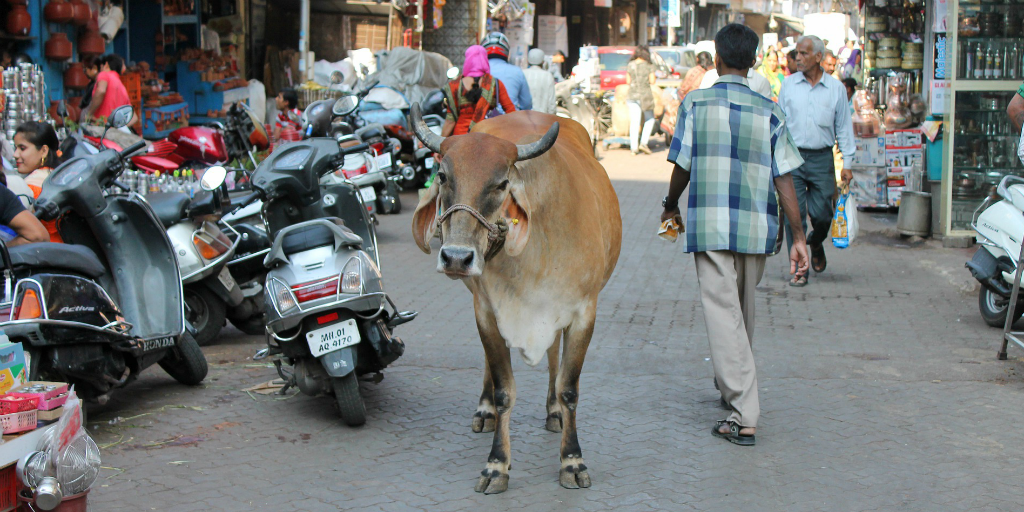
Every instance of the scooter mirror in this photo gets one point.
(453, 73)
(120, 117)
(213, 178)
(62, 110)
(345, 105)
(337, 77)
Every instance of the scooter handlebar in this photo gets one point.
(244, 201)
(133, 148)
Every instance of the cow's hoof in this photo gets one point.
(574, 477)
(554, 422)
(483, 422)
(492, 482)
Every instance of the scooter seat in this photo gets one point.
(169, 207)
(309, 237)
(75, 258)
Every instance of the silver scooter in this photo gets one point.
(327, 314)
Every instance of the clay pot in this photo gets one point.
(19, 21)
(74, 77)
(82, 13)
(58, 47)
(91, 43)
(58, 11)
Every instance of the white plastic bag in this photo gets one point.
(844, 222)
(1020, 146)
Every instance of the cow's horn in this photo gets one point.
(429, 138)
(535, 149)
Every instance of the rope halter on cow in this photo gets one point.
(496, 232)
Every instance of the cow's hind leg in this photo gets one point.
(494, 477)
(573, 473)
(554, 420)
(483, 418)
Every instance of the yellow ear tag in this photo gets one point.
(515, 221)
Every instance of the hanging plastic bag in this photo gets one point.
(844, 223)
(1020, 146)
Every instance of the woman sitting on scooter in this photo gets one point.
(35, 154)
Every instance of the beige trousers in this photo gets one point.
(727, 288)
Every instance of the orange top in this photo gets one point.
(35, 182)
(469, 113)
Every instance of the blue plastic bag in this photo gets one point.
(844, 222)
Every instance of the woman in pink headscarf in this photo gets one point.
(473, 94)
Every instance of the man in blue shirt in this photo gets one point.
(511, 77)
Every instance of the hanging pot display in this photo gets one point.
(74, 77)
(82, 13)
(91, 43)
(58, 11)
(19, 21)
(58, 47)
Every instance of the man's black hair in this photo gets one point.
(850, 82)
(737, 45)
(290, 97)
(115, 62)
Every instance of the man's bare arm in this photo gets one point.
(1016, 112)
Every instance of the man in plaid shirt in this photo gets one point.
(732, 147)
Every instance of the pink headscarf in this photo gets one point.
(476, 62)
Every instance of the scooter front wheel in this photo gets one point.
(993, 306)
(350, 404)
(186, 361)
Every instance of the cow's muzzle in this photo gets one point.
(457, 262)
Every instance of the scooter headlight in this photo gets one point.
(351, 278)
(284, 298)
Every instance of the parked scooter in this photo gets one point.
(424, 164)
(98, 309)
(327, 313)
(1000, 227)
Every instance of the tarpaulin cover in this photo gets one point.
(414, 73)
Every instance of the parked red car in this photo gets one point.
(613, 60)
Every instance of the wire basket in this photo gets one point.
(307, 96)
(18, 422)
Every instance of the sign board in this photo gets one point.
(941, 56)
(938, 96)
(552, 34)
(602, 3)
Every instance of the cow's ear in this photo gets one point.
(424, 220)
(516, 211)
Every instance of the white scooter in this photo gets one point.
(1000, 227)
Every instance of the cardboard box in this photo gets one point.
(51, 415)
(907, 157)
(894, 194)
(13, 372)
(869, 187)
(870, 153)
(896, 182)
(903, 138)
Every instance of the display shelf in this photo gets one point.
(18, 447)
(180, 19)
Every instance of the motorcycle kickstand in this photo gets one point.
(289, 379)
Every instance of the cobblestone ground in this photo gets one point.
(879, 385)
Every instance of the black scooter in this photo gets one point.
(98, 309)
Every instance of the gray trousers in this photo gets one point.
(727, 288)
(815, 183)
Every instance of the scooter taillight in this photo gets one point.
(312, 290)
(210, 241)
(29, 307)
(352, 173)
(378, 147)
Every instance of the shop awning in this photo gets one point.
(796, 24)
(356, 7)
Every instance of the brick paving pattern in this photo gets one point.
(879, 388)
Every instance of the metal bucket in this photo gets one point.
(915, 214)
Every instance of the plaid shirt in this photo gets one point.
(735, 143)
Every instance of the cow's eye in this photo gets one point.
(503, 185)
(442, 178)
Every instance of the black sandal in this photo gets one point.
(799, 281)
(818, 260)
(734, 435)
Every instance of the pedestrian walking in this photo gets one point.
(473, 94)
(695, 75)
(511, 76)
(757, 82)
(640, 78)
(540, 82)
(732, 147)
(819, 115)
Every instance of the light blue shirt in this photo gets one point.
(818, 116)
(514, 80)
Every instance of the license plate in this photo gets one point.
(368, 194)
(225, 279)
(429, 162)
(384, 161)
(333, 337)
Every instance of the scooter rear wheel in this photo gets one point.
(205, 311)
(993, 308)
(350, 404)
(185, 362)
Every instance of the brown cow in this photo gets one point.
(532, 227)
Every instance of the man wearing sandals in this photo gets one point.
(732, 147)
(819, 115)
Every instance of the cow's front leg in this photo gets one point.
(554, 420)
(483, 418)
(573, 473)
(494, 477)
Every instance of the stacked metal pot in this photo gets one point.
(24, 91)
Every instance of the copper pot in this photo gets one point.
(58, 11)
(74, 77)
(91, 43)
(19, 21)
(82, 12)
(58, 47)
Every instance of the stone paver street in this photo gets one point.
(879, 385)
